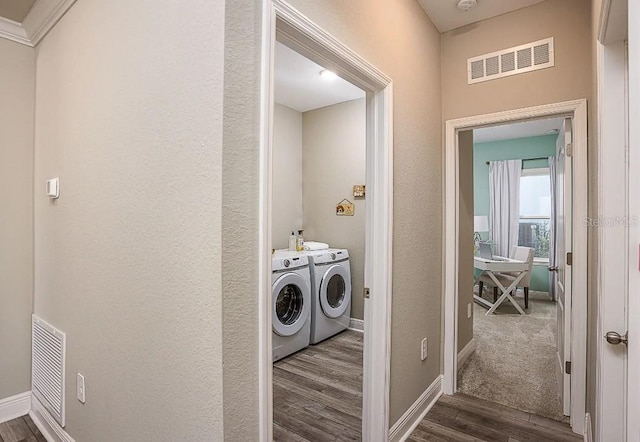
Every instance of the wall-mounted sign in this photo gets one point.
(358, 191)
(345, 208)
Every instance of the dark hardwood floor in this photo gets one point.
(21, 429)
(465, 418)
(317, 392)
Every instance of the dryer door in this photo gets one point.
(335, 291)
(291, 304)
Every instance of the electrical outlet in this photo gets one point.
(469, 307)
(80, 391)
(423, 349)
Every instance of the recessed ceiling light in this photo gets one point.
(465, 5)
(328, 75)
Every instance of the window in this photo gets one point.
(535, 211)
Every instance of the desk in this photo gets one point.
(490, 267)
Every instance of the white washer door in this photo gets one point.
(335, 291)
(291, 304)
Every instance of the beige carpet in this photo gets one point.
(515, 360)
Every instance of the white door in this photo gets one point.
(563, 268)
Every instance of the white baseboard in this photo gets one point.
(467, 351)
(15, 406)
(47, 425)
(356, 325)
(588, 429)
(403, 428)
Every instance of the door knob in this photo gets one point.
(553, 269)
(615, 338)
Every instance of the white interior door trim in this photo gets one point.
(633, 379)
(613, 266)
(298, 32)
(577, 109)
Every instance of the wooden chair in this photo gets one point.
(520, 253)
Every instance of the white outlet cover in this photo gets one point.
(469, 307)
(423, 349)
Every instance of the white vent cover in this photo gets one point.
(517, 60)
(47, 372)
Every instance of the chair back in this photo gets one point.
(525, 254)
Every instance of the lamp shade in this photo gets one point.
(481, 223)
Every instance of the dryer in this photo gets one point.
(331, 292)
(291, 300)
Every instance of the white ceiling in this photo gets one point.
(446, 16)
(517, 130)
(298, 83)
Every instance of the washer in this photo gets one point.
(291, 297)
(331, 293)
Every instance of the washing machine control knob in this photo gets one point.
(333, 256)
(287, 263)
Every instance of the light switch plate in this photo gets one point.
(53, 188)
(423, 349)
(80, 390)
(469, 311)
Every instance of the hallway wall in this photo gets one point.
(128, 259)
(17, 78)
(399, 39)
(568, 21)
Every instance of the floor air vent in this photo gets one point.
(512, 61)
(47, 372)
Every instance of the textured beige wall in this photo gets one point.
(465, 238)
(17, 77)
(333, 160)
(287, 175)
(568, 21)
(240, 204)
(400, 40)
(128, 115)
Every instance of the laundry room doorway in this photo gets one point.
(325, 237)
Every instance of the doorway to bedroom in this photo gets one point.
(515, 304)
(514, 218)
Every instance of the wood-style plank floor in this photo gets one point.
(465, 418)
(317, 392)
(21, 429)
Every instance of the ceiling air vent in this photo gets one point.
(517, 60)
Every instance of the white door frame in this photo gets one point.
(300, 33)
(633, 355)
(618, 69)
(613, 216)
(578, 110)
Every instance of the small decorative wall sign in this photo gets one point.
(358, 191)
(345, 208)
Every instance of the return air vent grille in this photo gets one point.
(48, 361)
(512, 61)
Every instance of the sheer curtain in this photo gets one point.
(553, 163)
(504, 204)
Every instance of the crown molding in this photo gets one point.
(41, 18)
